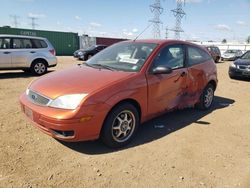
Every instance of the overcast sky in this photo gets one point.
(204, 20)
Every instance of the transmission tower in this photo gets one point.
(179, 14)
(33, 22)
(166, 34)
(15, 20)
(157, 9)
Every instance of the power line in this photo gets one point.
(179, 14)
(157, 9)
(15, 20)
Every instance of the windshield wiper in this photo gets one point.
(97, 65)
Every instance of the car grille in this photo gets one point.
(37, 98)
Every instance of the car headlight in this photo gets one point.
(69, 102)
(27, 91)
(233, 65)
(80, 53)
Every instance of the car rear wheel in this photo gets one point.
(120, 126)
(39, 68)
(206, 98)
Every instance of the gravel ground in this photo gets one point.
(192, 149)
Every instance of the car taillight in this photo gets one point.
(53, 52)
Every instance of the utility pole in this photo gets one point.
(157, 9)
(179, 14)
(33, 22)
(15, 20)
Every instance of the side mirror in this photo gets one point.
(162, 70)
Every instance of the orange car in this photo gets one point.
(121, 87)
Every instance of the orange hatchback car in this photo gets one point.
(126, 84)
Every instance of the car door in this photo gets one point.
(21, 52)
(5, 53)
(165, 91)
(198, 62)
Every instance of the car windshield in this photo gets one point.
(90, 48)
(246, 56)
(231, 51)
(125, 56)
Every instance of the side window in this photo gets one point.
(43, 44)
(39, 43)
(197, 56)
(4, 43)
(170, 56)
(17, 44)
(27, 43)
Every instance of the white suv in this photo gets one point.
(27, 53)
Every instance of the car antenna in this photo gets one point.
(142, 32)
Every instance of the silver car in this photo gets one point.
(27, 53)
(231, 55)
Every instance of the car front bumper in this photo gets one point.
(73, 128)
(228, 58)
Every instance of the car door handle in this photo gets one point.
(6, 52)
(183, 74)
(32, 52)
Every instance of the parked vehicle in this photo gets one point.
(231, 55)
(215, 52)
(241, 67)
(89, 52)
(26, 53)
(121, 87)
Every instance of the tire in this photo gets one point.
(232, 76)
(39, 68)
(120, 126)
(206, 98)
(217, 59)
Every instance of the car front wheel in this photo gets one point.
(120, 126)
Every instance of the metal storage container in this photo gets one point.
(65, 43)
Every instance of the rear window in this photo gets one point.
(39, 43)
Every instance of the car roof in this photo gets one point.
(161, 41)
(23, 36)
(164, 42)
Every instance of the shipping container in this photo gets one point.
(65, 43)
(86, 41)
(108, 41)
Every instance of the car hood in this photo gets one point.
(242, 62)
(75, 80)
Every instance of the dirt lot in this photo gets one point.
(194, 149)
